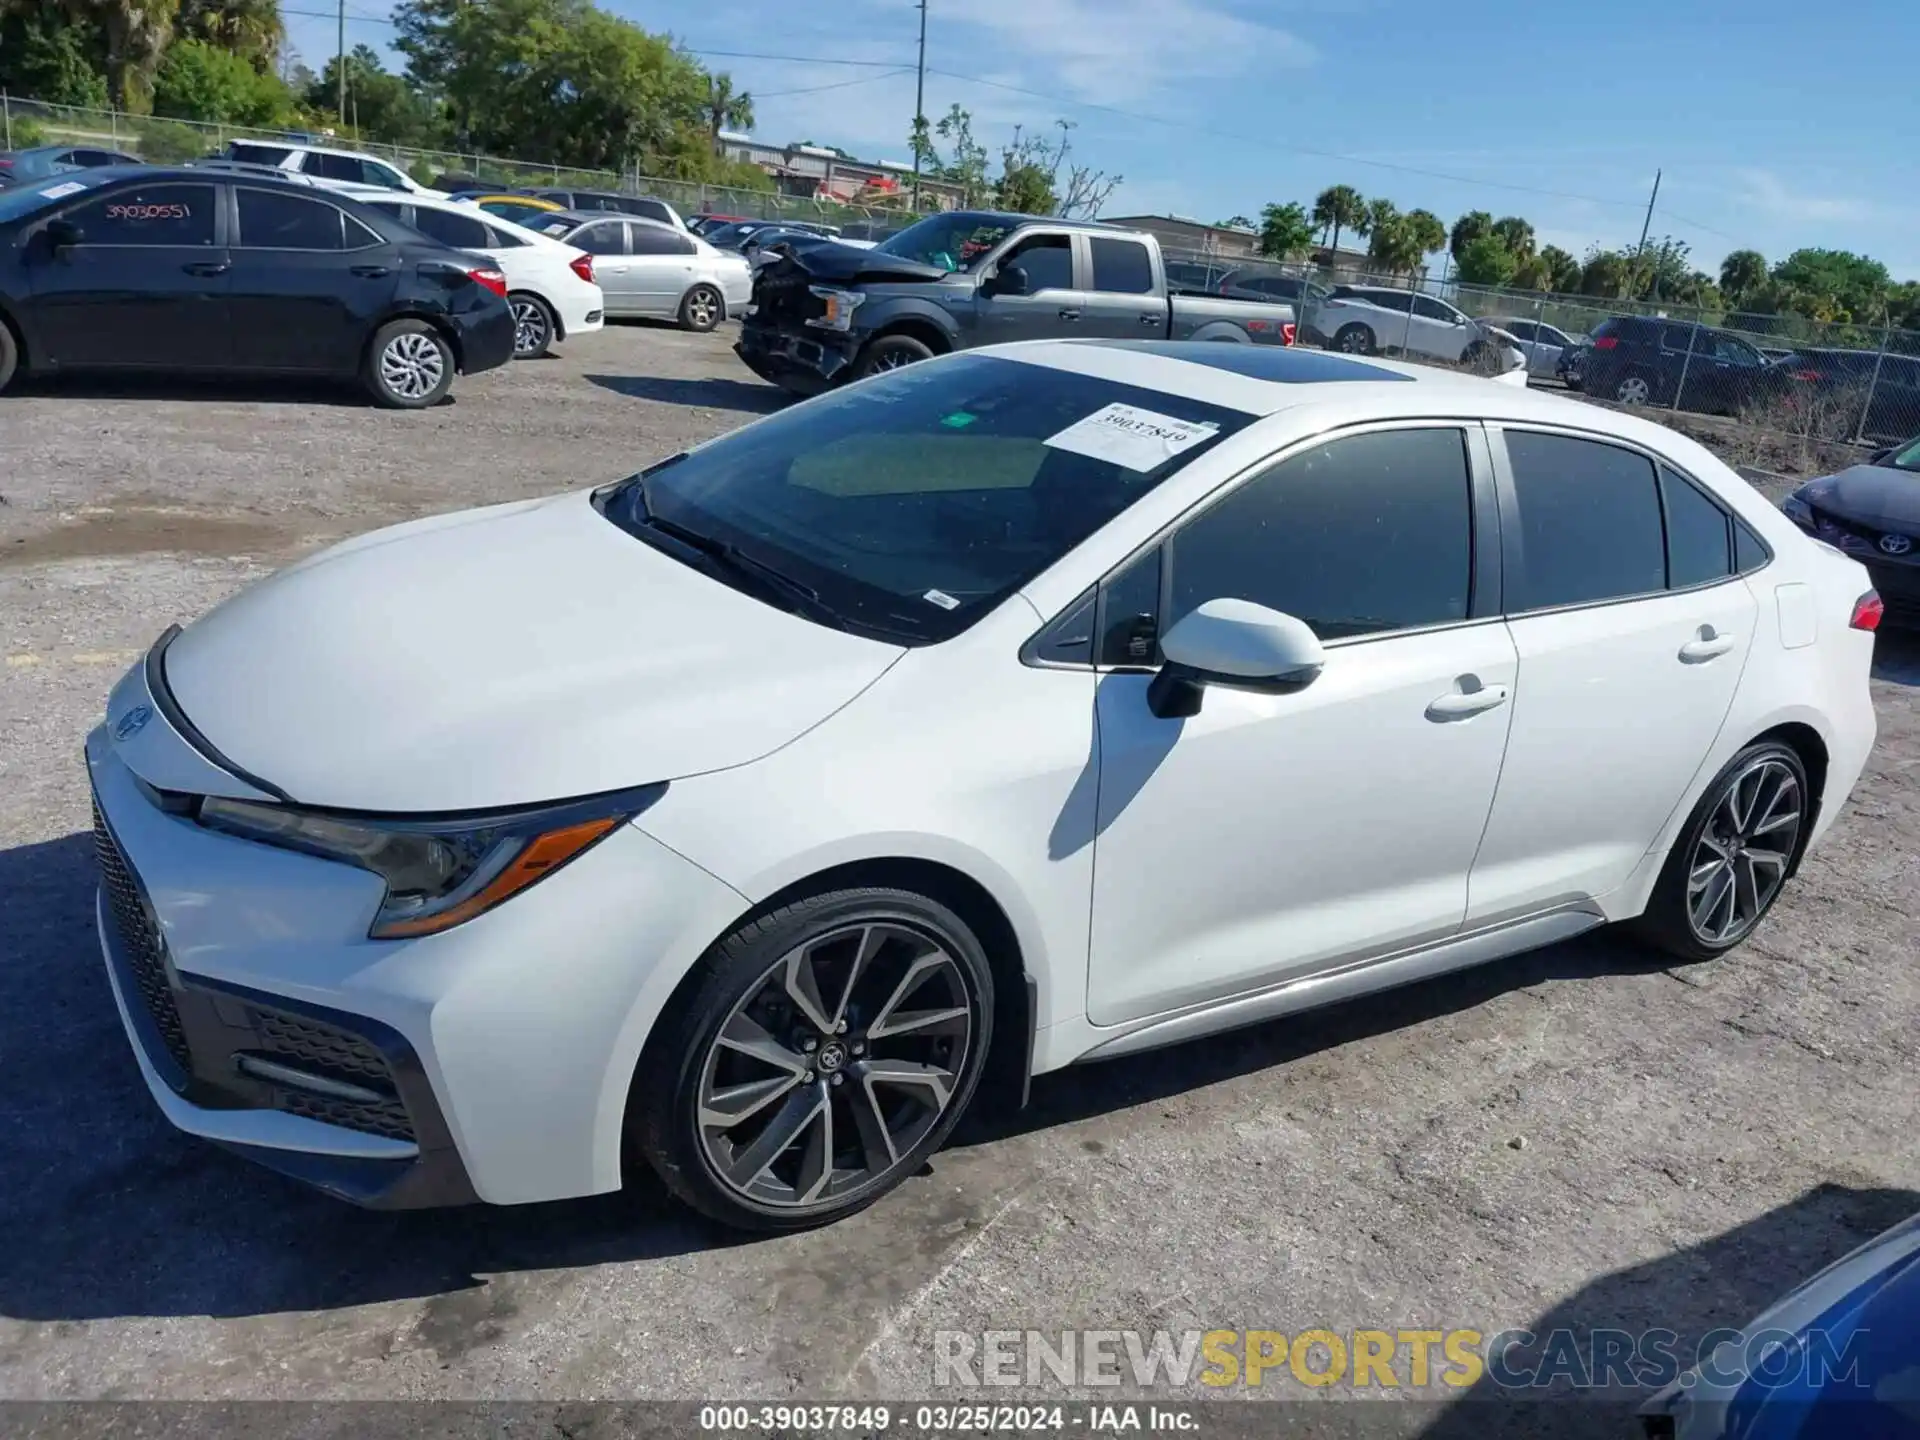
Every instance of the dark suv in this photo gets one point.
(645, 206)
(1675, 364)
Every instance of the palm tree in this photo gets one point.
(1467, 229)
(1425, 231)
(251, 29)
(726, 110)
(1560, 270)
(1337, 208)
(1742, 273)
(136, 32)
(1286, 232)
(1516, 234)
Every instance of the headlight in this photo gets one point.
(439, 873)
(840, 307)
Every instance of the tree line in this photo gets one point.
(1827, 286)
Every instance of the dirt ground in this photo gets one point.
(1583, 1137)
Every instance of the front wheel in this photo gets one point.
(890, 352)
(821, 1053)
(1729, 863)
(9, 355)
(701, 309)
(409, 366)
(533, 326)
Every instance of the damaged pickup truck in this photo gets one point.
(824, 313)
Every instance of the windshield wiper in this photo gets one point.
(732, 557)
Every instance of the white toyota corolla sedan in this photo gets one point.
(1019, 707)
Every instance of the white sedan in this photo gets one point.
(1541, 343)
(551, 286)
(1024, 706)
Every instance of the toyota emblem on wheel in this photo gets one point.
(1896, 544)
(131, 723)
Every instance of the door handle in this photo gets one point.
(1708, 647)
(372, 272)
(208, 267)
(1069, 314)
(1150, 319)
(1458, 704)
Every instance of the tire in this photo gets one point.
(534, 327)
(9, 355)
(1634, 388)
(1354, 340)
(890, 352)
(1747, 833)
(779, 983)
(702, 308)
(409, 366)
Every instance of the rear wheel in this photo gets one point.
(409, 366)
(890, 352)
(701, 309)
(9, 355)
(1729, 863)
(1354, 340)
(822, 1052)
(533, 326)
(1633, 388)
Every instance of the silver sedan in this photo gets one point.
(654, 270)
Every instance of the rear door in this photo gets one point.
(1051, 306)
(309, 282)
(147, 286)
(606, 241)
(1121, 302)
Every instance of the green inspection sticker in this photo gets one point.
(958, 420)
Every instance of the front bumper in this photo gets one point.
(492, 1061)
(804, 364)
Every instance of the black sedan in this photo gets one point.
(195, 270)
(1872, 512)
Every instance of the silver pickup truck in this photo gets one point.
(823, 313)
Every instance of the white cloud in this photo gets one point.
(1766, 191)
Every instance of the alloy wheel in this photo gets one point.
(530, 330)
(1740, 860)
(1354, 341)
(702, 310)
(1634, 390)
(892, 360)
(412, 365)
(837, 1062)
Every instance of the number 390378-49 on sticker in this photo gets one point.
(1129, 436)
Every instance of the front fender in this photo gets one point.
(882, 313)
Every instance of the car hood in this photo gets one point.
(1877, 494)
(829, 260)
(506, 656)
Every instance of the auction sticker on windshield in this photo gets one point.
(1132, 437)
(62, 190)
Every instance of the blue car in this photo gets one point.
(1839, 1357)
(17, 167)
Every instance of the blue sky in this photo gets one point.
(1777, 123)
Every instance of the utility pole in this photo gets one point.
(340, 65)
(1647, 224)
(920, 105)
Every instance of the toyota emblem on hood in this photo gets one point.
(131, 723)
(1896, 544)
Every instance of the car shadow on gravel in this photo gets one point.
(203, 389)
(111, 1212)
(1896, 657)
(748, 396)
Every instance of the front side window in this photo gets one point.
(1589, 522)
(1427, 308)
(606, 238)
(273, 155)
(914, 502)
(270, 220)
(378, 174)
(657, 240)
(1047, 259)
(154, 215)
(333, 167)
(1122, 267)
(1355, 536)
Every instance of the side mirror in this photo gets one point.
(63, 234)
(1010, 280)
(1237, 643)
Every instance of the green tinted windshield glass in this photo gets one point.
(952, 242)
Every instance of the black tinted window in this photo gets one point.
(1749, 551)
(1356, 536)
(272, 221)
(503, 239)
(1048, 261)
(463, 232)
(155, 215)
(257, 154)
(601, 239)
(1681, 338)
(653, 240)
(1122, 266)
(333, 167)
(1698, 544)
(1130, 605)
(1589, 522)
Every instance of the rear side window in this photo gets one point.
(152, 216)
(1749, 550)
(1122, 267)
(462, 232)
(1358, 536)
(272, 221)
(1589, 522)
(1699, 535)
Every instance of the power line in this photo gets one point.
(836, 84)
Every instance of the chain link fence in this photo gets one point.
(26, 123)
(1771, 391)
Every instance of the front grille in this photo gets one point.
(334, 1054)
(782, 295)
(139, 940)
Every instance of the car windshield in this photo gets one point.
(907, 506)
(952, 242)
(1906, 457)
(23, 200)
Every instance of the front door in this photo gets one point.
(1632, 633)
(1270, 837)
(308, 282)
(606, 241)
(1049, 307)
(662, 267)
(146, 286)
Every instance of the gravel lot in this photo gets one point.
(1694, 1139)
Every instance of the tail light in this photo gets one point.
(491, 279)
(582, 265)
(1867, 611)
(1808, 375)
(1287, 333)
(1606, 342)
